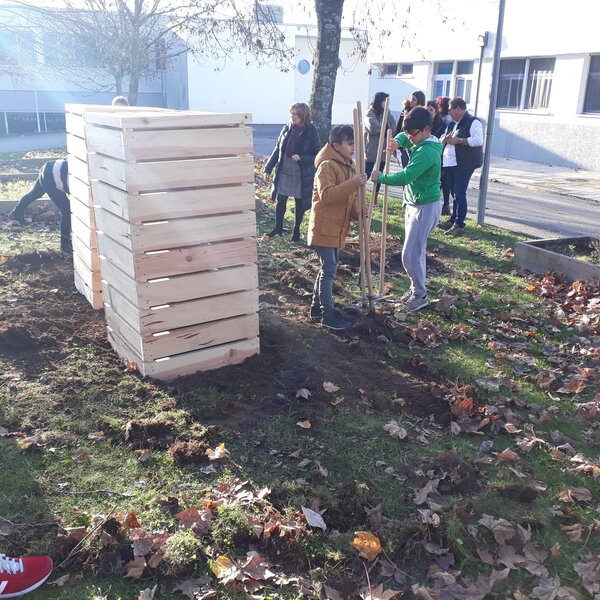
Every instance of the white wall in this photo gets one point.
(267, 92)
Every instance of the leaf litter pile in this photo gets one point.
(243, 480)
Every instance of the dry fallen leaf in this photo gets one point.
(218, 453)
(314, 519)
(304, 424)
(502, 529)
(330, 387)
(221, 566)
(507, 455)
(573, 532)
(395, 430)
(148, 593)
(367, 544)
(378, 593)
(570, 495)
(303, 393)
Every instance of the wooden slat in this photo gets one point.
(83, 212)
(95, 299)
(74, 124)
(180, 314)
(84, 233)
(79, 169)
(190, 362)
(138, 208)
(77, 146)
(89, 277)
(80, 189)
(180, 288)
(167, 175)
(129, 145)
(168, 120)
(179, 261)
(175, 233)
(88, 256)
(187, 339)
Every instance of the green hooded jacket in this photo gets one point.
(421, 176)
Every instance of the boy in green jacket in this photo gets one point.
(421, 181)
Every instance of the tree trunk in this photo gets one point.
(329, 27)
(134, 85)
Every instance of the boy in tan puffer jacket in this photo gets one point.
(334, 204)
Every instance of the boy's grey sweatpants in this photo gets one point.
(419, 222)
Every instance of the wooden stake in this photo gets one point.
(363, 202)
(386, 111)
(384, 210)
(361, 272)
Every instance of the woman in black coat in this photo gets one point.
(294, 161)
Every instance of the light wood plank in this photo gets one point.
(89, 277)
(74, 124)
(167, 120)
(180, 314)
(87, 255)
(187, 339)
(95, 299)
(192, 259)
(79, 169)
(138, 208)
(180, 288)
(81, 190)
(175, 233)
(190, 362)
(84, 233)
(77, 146)
(83, 212)
(130, 146)
(174, 174)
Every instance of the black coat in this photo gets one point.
(307, 148)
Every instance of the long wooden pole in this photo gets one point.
(384, 211)
(363, 203)
(386, 112)
(361, 271)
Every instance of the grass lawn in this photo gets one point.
(463, 438)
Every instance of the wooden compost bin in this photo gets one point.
(83, 229)
(174, 210)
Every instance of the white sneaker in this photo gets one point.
(406, 296)
(416, 303)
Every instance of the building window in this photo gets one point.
(442, 78)
(396, 70)
(268, 13)
(537, 72)
(464, 79)
(17, 48)
(539, 82)
(592, 93)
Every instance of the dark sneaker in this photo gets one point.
(416, 303)
(19, 576)
(275, 232)
(315, 312)
(14, 216)
(446, 225)
(455, 230)
(296, 237)
(445, 210)
(333, 320)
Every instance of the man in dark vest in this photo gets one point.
(463, 153)
(53, 181)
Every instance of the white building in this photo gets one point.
(267, 92)
(548, 102)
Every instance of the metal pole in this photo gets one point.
(37, 111)
(482, 44)
(485, 169)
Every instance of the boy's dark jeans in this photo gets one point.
(323, 288)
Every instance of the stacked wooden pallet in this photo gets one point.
(174, 198)
(85, 247)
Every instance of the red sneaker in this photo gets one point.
(19, 576)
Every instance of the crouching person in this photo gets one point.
(334, 204)
(53, 181)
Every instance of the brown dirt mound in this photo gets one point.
(16, 339)
(149, 433)
(189, 453)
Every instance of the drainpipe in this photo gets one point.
(483, 40)
(485, 169)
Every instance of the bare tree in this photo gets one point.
(131, 40)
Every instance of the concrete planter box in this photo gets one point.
(534, 256)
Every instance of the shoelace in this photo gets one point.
(10, 565)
